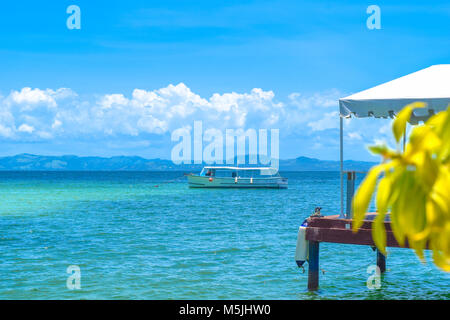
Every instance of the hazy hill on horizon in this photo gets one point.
(31, 162)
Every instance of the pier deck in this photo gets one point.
(339, 230)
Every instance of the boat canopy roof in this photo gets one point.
(239, 168)
(429, 85)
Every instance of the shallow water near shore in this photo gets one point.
(146, 235)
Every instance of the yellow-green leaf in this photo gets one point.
(364, 194)
(403, 117)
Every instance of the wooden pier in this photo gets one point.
(339, 230)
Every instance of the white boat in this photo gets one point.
(237, 177)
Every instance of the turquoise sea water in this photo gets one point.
(133, 240)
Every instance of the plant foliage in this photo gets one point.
(414, 188)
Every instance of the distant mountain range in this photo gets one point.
(30, 162)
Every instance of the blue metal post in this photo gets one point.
(341, 163)
(381, 261)
(351, 177)
(313, 266)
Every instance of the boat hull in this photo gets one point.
(195, 181)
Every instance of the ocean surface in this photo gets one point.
(146, 235)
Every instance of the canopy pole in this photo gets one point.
(341, 141)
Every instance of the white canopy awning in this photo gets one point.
(430, 85)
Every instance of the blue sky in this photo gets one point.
(137, 70)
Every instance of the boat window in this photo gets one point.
(225, 173)
(240, 173)
(208, 172)
(247, 173)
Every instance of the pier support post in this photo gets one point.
(351, 177)
(313, 266)
(381, 261)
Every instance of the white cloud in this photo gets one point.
(386, 129)
(28, 98)
(328, 120)
(56, 124)
(324, 99)
(5, 132)
(25, 128)
(354, 136)
(113, 100)
(51, 114)
(55, 116)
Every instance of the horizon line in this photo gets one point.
(137, 156)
